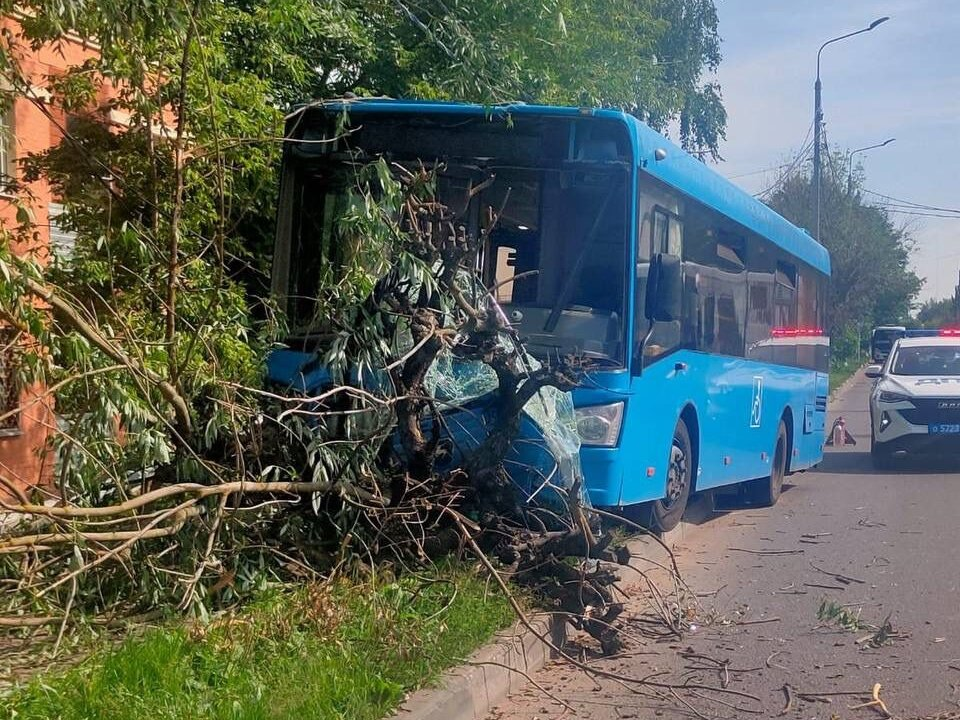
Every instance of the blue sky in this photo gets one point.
(900, 80)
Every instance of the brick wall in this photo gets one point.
(24, 437)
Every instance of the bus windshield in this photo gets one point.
(882, 340)
(558, 186)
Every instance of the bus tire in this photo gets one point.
(768, 489)
(665, 514)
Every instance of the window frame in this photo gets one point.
(8, 166)
(11, 393)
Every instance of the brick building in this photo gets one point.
(26, 415)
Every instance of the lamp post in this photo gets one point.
(850, 162)
(818, 117)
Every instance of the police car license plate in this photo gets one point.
(944, 429)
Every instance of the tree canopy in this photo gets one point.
(646, 57)
(153, 331)
(872, 283)
(938, 313)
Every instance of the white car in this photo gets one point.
(915, 401)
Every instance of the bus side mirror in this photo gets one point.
(873, 371)
(664, 298)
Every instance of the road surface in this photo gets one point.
(881, 549)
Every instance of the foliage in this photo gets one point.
(350, 649)
(833, 612)
(645, 57)
(840, 372)
(871, 282)
(154, 245)
(937, 313)
(181, 481)
(174, 228)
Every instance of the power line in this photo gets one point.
(916, 208)
(759, 172)
(921, 214)
(790, 166)
(900, 202)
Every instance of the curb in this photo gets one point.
(846, 385)
(469, 691)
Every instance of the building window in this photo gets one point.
(9, 382)
(6, 151)
(62, 241)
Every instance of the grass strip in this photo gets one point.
(839, 374)
(343, 651)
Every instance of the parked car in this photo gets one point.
(915, 401)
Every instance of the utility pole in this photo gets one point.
(956, 300)
(818, 121)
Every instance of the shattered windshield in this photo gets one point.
(455, 382)
(548, 194)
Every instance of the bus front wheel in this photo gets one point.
(665, 513)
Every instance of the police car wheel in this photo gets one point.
(665, 514)
(880, 456)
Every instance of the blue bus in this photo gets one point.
(700, 309)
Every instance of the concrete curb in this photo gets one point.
(469, 691)
(846, 385)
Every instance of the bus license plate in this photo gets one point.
(944, 429)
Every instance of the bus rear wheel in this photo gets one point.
(665, 513)
(767, 490)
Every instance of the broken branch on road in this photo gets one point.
(839, 577)
(765, 552)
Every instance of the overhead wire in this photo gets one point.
(895, 202)
(805, 146)
(761, 171)
(921, 214)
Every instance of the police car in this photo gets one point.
(915, 401)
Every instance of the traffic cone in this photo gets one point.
(839, 435)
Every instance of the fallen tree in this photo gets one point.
(367, 456)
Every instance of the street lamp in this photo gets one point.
(850, 161)
(818, 117)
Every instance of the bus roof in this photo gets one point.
(678, 169)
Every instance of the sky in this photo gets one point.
(900, 80)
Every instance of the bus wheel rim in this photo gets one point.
(676, 475)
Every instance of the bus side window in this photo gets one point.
(505, 272)
(785, 295)
(667, 239)
(661, 230)
(514, 253)
(667, 233)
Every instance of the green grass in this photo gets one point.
(347, 651)
(840, 373)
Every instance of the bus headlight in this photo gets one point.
(600, 424)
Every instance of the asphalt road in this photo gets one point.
(884, 546)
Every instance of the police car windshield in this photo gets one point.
(927, 360)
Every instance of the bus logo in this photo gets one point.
(757, 404)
